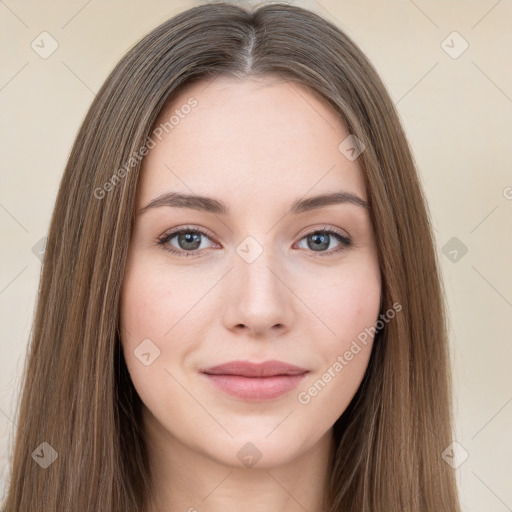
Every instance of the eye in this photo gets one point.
(320, 240)
(188, 241)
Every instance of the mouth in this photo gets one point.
(255, 381)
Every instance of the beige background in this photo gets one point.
(456, 112)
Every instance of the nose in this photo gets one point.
(259, 297)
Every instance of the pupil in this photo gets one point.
(189, 238)
(320, 241)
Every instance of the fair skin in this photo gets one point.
(257, 145)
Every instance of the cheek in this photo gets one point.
(346, 302)
(141, 312)
(145, 314)
(139, 325)
(155, 329)
(155, 302)
(349, 309)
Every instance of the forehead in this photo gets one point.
(249, 139)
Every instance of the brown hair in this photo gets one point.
(77, 394)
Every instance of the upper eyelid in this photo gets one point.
(173, 232)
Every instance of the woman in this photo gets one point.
(240, 305)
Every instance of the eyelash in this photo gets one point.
(344, 240)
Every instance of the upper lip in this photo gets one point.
(249, 369)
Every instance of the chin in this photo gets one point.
(256, 451)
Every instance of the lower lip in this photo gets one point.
(255, 388)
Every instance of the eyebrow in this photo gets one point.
(210, 205)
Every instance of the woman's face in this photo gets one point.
(253, 276)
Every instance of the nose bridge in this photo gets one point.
(254, 265)
(255, 260)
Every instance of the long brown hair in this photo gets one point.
(77, 395)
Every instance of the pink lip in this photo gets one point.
(255, 381)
